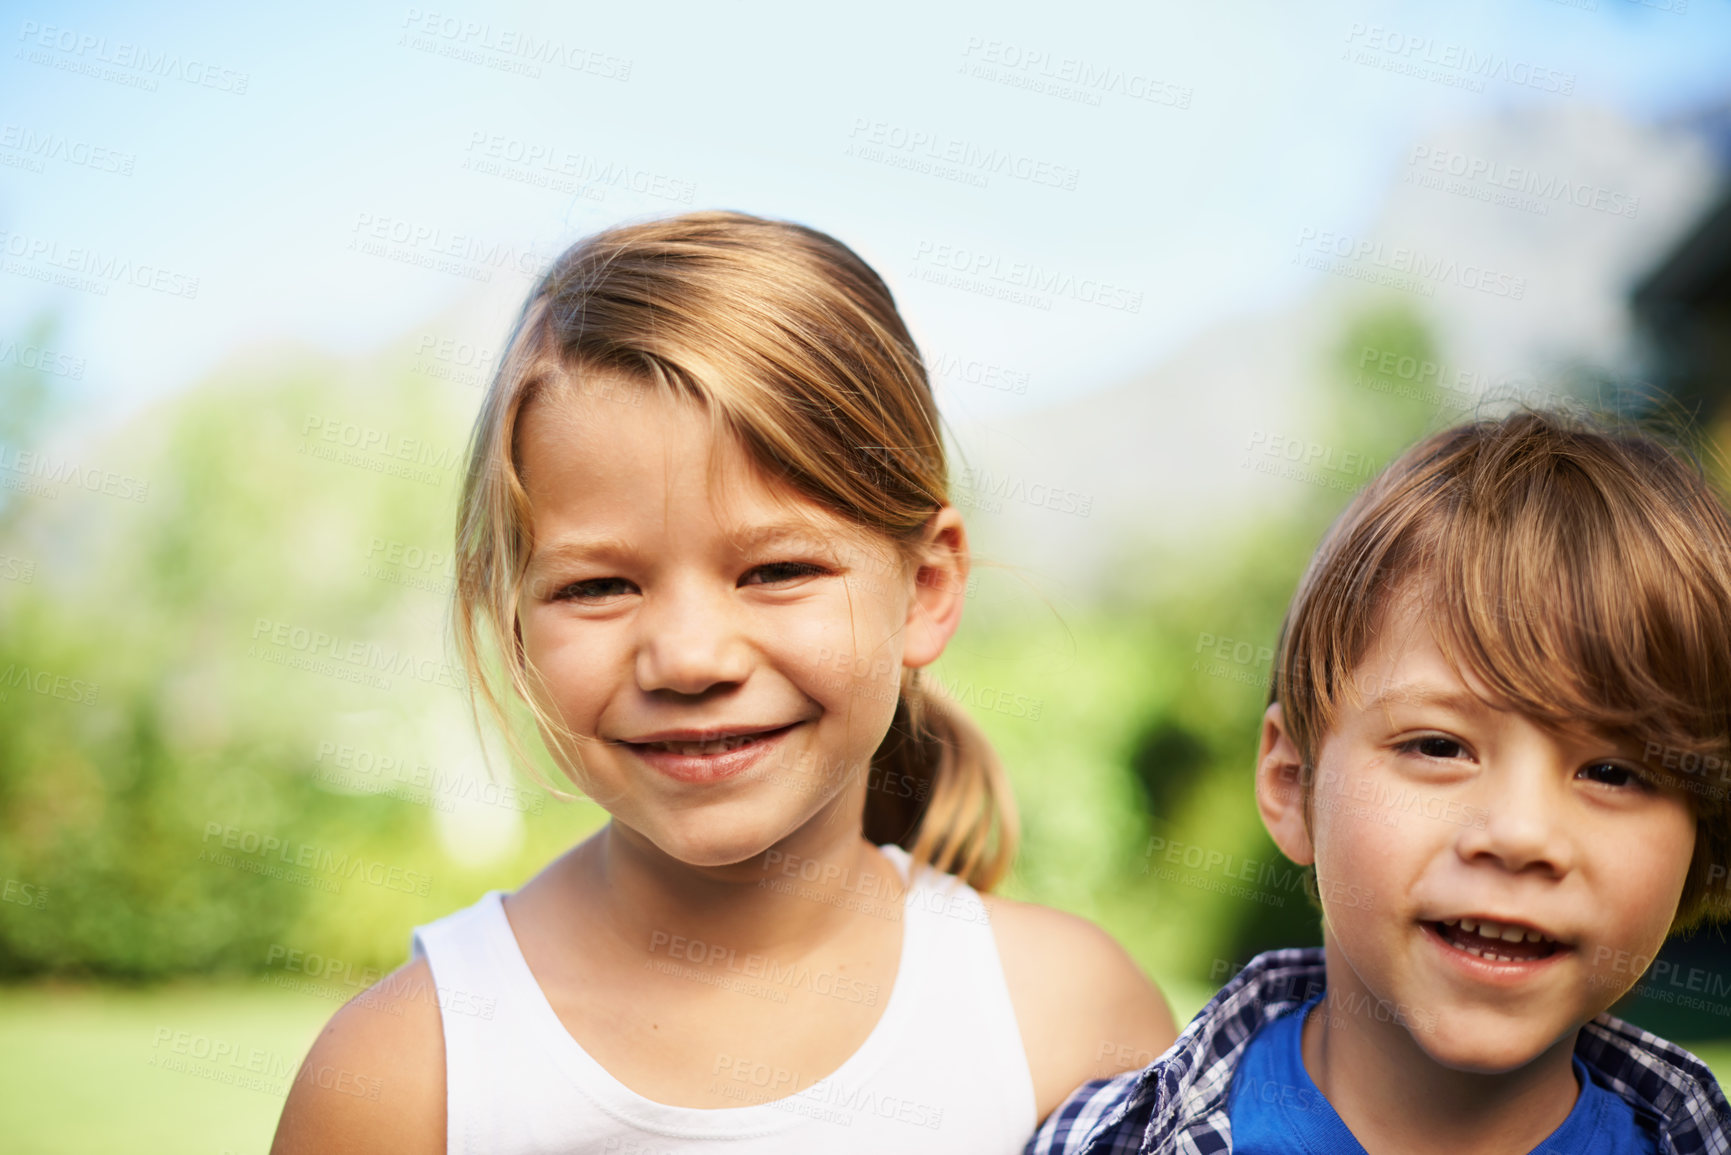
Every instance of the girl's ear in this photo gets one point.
(1280, 789)
(940, 583)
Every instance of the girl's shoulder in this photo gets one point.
(375, 1078)
(1085, 1008)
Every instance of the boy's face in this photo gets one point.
(1431, 812)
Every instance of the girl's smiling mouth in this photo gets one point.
(706, 755)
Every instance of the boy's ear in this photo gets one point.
(1280, 789)
(940, 582)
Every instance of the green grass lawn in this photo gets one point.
(199, 1069)
(202, 1069)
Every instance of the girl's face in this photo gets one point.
(727, 652)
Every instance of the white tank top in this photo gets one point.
(943, 1070)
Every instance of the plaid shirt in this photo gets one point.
(1177, 1106)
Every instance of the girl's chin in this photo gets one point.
(709, 848)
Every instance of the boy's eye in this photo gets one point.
(780, 571)
(595, 589)
(1434, 746)
(1614, 774)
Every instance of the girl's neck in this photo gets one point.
(785, 902)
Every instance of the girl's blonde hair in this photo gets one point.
(794, 347)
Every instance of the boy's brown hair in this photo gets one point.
(1579, 569)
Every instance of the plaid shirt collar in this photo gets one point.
(1177, 1106)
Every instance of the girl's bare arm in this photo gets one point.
(374, 1080)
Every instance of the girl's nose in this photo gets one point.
(690, 642)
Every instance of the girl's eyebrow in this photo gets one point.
(578, 548)
(796, 533)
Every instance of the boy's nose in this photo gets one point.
(1519, 824)
(690, 643)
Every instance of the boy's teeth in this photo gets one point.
(1485, 933)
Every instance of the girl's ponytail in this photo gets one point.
(938, 789)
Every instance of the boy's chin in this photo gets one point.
(1483, 1048)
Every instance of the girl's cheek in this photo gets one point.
(834, 640)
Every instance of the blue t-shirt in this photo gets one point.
(1275, 1109)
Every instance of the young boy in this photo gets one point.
(1495, 688)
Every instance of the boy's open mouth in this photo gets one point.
(1496, 941)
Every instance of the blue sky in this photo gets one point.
(1187, 147)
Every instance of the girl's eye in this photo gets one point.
(595, 589)
(1614, 774)
(1433, 746)
(781, 571)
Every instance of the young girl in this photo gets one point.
(705, 523)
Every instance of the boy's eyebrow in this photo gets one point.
(1425, 694)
